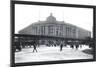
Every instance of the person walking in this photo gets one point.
(72, 46)
(34, 47)
(77, 46)
(61, 46)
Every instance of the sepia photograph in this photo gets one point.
(52, 33)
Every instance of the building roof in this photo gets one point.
(50, 20)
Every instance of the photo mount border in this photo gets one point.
(12, 28)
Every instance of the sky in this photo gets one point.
(28, 14)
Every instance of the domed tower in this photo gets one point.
(51, 19)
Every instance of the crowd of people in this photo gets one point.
(36, 43)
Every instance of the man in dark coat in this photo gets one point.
(77, 46)
(34, 46)
(61, 46)
(72, 46)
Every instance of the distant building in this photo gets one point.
(52, 27)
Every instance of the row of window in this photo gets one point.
(58, 31)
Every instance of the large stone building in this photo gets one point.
(52, 27)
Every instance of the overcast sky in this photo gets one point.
(28, 14)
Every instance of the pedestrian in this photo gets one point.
(81, 46)
(34, 47)
(72, 46)
(18, 46)
(77, 46)
(61, 46)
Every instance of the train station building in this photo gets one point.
(52, 27)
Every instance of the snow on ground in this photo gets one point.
(50, 54)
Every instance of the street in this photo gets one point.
(51, 54)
